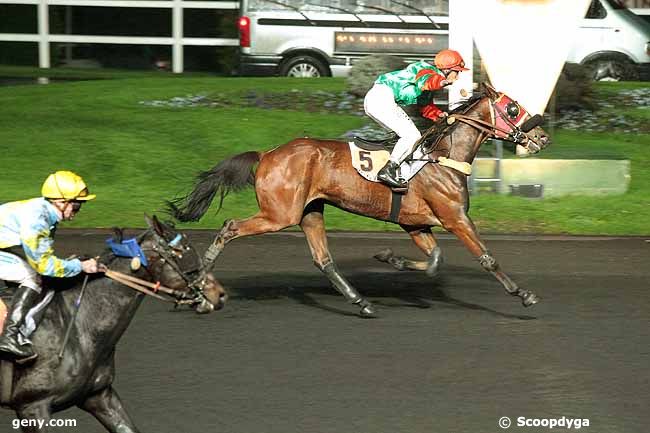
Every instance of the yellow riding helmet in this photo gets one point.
(66, 185)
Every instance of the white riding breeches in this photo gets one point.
(17, 270)
(381, 107)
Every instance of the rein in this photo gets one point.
(142, 286)
(490, 129)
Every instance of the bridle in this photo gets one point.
(168, 253)
(516, 121)
(508, 121)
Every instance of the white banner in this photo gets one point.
(524, 43)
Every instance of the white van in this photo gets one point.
(614, 42)
(313, 38)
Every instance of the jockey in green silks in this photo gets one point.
(408, 86)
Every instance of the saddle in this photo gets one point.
(369, 156)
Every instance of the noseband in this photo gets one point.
(168, 253)
(518, 121)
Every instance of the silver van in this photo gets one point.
(312, 38)
(613, 41)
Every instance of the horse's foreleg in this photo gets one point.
(425, 241)
(313, 226)
(35, 418)
(465, 230)
(107, 407)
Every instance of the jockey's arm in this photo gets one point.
(428, 80)
(38, 246)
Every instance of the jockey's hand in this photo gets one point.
(91, 266)
(443, 114)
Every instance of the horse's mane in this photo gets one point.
(439, 130)
(467, 104)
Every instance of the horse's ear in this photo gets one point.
(148, 220)
(489, 90)
(157, 226)
(154, 223)
(118, 234)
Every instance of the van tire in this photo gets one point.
(612, 69)
(304, 67)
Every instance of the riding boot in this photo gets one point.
(389, 175)
(23, 300)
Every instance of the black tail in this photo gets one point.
(232, 174)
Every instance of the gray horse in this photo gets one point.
(83, 377)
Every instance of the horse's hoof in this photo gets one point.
(384, 255)
(367, 310)
(529, 299)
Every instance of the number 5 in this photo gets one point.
(364, 156)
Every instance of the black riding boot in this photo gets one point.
(389, 174)
(24, 299)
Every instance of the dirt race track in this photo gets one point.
(452, 354)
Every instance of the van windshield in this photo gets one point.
(383, 7)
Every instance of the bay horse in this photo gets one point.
(84, 374)
(294, 181)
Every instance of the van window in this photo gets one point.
(596, 11)
(616, 4)
(435, 7)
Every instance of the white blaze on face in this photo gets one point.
(524, 44)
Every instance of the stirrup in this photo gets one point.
(393, 181)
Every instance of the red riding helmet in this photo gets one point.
(450, 59)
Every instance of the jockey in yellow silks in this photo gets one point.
(26, 253)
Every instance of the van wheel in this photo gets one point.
(304, 67)
(609, 69)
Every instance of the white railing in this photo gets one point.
(177, 41)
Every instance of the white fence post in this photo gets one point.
(177, 35)
(43, 35)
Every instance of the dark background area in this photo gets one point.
(97, 21)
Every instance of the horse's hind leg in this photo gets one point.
(262, 222)
(464, 229)
(424, 239)
(313, 226)
(107, 407)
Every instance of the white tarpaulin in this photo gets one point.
(524, 43)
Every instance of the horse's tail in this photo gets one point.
(232, 174)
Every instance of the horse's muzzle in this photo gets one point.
(213, 296)
(537, 139)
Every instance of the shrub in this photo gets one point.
(365, 71)
(574, 89)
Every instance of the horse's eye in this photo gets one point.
(512, 109)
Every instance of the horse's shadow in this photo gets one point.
(389, 288)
